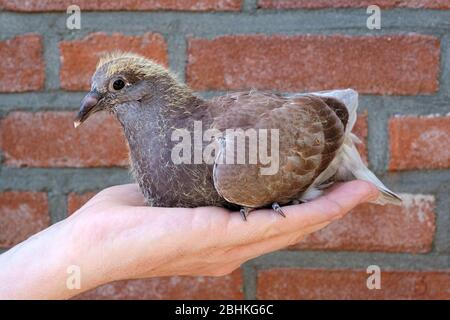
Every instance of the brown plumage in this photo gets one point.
(310, 135)
(315, 143)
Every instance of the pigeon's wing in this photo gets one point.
(345, 99)
(299, 138)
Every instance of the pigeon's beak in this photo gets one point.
(89, 105)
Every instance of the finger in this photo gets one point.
(126, 194)
(264, 224)
(250, 251)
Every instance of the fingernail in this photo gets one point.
(370, 194)
(374, 194)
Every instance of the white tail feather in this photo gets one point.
(348, 165)
(351, 164)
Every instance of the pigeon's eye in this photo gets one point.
(118, 84)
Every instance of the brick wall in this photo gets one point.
(402, 72)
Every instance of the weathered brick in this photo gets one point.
(351, 284)
(226, 287)
(48, 139)
(390, 228)
(24, 51)
(79, 57)
(322, 4)
(419, 142)
(397, 64)
(75, 200)
(136, 5)
(22, 214)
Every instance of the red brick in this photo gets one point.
(226, 287)
(419, 142)
(136, 5)
(79, 57)
(24, 51)
(322, 4)
(351, 284)
(75, 201)
(397, 64)
(48, 139)
(22, 214)
(371, 227)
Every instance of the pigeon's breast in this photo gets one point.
(163, 164)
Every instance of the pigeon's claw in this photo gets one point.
(276, 207)
(298, 201)
(245, 212)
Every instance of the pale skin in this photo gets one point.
(115, 237)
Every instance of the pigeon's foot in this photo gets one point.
(294, 202)
(245, 212)
(276, 207)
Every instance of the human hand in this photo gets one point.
(114, 236)
(138, 241)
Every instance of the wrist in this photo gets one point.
(82, 259)
(44, 267)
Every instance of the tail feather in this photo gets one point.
(348, 164)
(352, 164)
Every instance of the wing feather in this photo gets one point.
(310, 133)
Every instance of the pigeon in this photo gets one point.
(305, 138)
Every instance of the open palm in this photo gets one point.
(124, 239)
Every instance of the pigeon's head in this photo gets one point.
(122, 78)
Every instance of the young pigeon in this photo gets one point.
(314, 146)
